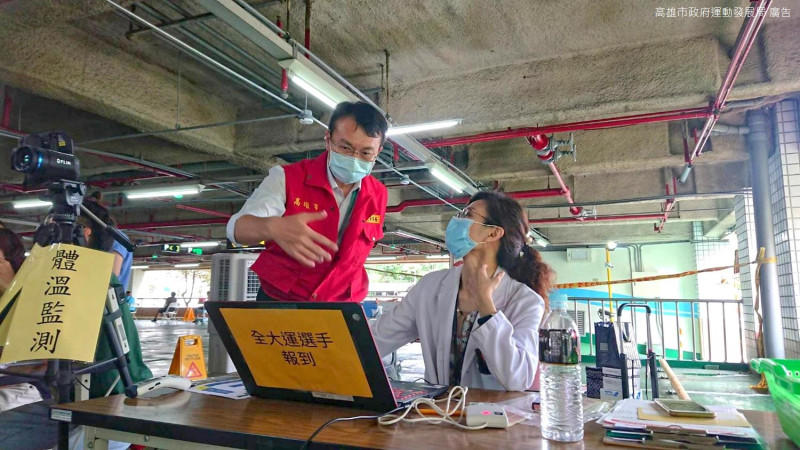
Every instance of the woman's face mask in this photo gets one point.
(456, 235)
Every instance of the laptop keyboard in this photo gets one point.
(402, 394)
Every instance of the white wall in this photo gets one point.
(658, 259)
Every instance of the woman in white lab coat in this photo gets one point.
(477, 323)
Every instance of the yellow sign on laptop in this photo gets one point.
(298, 349)
(320, 352)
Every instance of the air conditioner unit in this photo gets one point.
(231, 280)
(231, 277)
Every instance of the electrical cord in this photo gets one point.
(445, 415)
(344, 419)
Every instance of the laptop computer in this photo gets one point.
(321, 352)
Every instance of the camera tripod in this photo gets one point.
(61, 227)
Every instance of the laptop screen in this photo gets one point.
(300, 349)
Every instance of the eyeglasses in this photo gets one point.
(468, 212)
(364, 155)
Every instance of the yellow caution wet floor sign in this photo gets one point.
(188, 360)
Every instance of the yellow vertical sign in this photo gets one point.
(302, 349)
(60, 293)
(188, 360)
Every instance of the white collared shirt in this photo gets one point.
(269, 200)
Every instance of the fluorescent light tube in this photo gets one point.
(447, 178)
(408, 129)
(541, 242)
(199, 244)
(316, 82)
(30, 203)
(186, 266)
(381, 258)
(314, 91)
(139, 267)
(166, 191)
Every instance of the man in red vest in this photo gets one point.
(319, 217)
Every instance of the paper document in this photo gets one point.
(233, 389)
(626, 415)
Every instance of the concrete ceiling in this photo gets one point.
(70, 66)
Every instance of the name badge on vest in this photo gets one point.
(375, 218)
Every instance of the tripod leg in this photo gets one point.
(64, 381)
(116, 348)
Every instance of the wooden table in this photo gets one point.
(174, 419)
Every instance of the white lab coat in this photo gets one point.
(508, 341)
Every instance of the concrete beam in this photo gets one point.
(65, 64)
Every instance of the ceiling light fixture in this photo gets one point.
(30, 203)
(316, 83)
(139, 267)
(428, 126)
(164, 191)
(446, 177)
(437, 256)
(205, 244)
(186, 266)
(381, 258)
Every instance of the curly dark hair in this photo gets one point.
(521, 261)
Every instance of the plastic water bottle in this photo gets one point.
(559, 356)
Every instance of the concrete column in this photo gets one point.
(765, 235)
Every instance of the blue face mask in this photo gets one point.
(456, 237)
(347, 169)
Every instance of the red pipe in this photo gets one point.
(284, 75)
(307, 40)
(749, 31)
(174, 224)
(668, 205)
(6, 108)
(202, 211)
(624, 121)
(540, 142)
(574, 210)
(462, 200)
(597, 219)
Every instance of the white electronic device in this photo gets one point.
(491, 414)
(169, 381)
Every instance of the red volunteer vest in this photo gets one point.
(344, 278)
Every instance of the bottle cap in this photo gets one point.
(558, 301)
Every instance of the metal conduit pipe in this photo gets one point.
(311, 56)
(198, 18)
(174, 223)
(193, 51)
(757, 144)
(746, 39)
(589, 219)
(195, 127)
(462, 200)
(206, 45)
(613, 122)
(225, 40)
